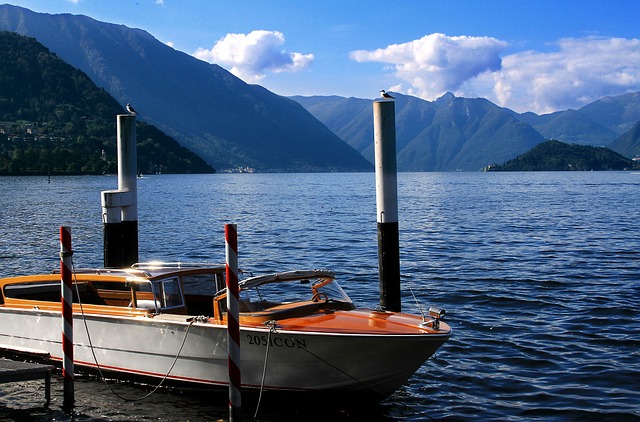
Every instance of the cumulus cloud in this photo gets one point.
(578, 72)
(437, 63)
(250, 56)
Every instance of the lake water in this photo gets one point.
(539, 273)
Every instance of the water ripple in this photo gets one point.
(538, 273)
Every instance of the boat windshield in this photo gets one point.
(164, 294)
(279, 290)
(168, 293)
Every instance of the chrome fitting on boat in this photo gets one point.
(436, 315)
(199, 318)
(272, 324)
(437, 312)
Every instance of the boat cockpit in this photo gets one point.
(286, 295)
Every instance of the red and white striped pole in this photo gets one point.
(67, 314)
(233, 316)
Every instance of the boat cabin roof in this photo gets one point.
(151, 286)
(150, 271)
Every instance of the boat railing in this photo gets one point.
(127, 272)
(161, 265)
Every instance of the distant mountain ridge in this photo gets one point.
(448, 134)
(628, 144)
(597, 124)
(226, 121)
(54, 120)
(453, 133)
(569, 126)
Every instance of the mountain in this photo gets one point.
(349, 118)
(569, 126)
(598, 123)
(448, 134)
(55, 120)
(559, 156)
(628, 144)
(226, 121)
(461, 133)
(618, 114)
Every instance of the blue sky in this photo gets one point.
(534, 55)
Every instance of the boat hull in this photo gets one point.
(193, 352)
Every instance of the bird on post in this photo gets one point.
(131, 110)
(385, 95)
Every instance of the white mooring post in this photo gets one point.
(120, 207)
(384, 127)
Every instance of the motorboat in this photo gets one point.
(157, 322)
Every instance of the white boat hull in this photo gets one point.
(157, 348)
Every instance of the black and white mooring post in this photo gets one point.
(120, 207)
(384, 128)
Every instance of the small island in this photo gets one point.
(559, 156)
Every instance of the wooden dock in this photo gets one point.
(13, 371)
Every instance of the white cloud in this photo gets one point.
(250, 56)
(578, 72)
(437, 63)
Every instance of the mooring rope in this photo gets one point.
(95, 359)
(272, 329)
